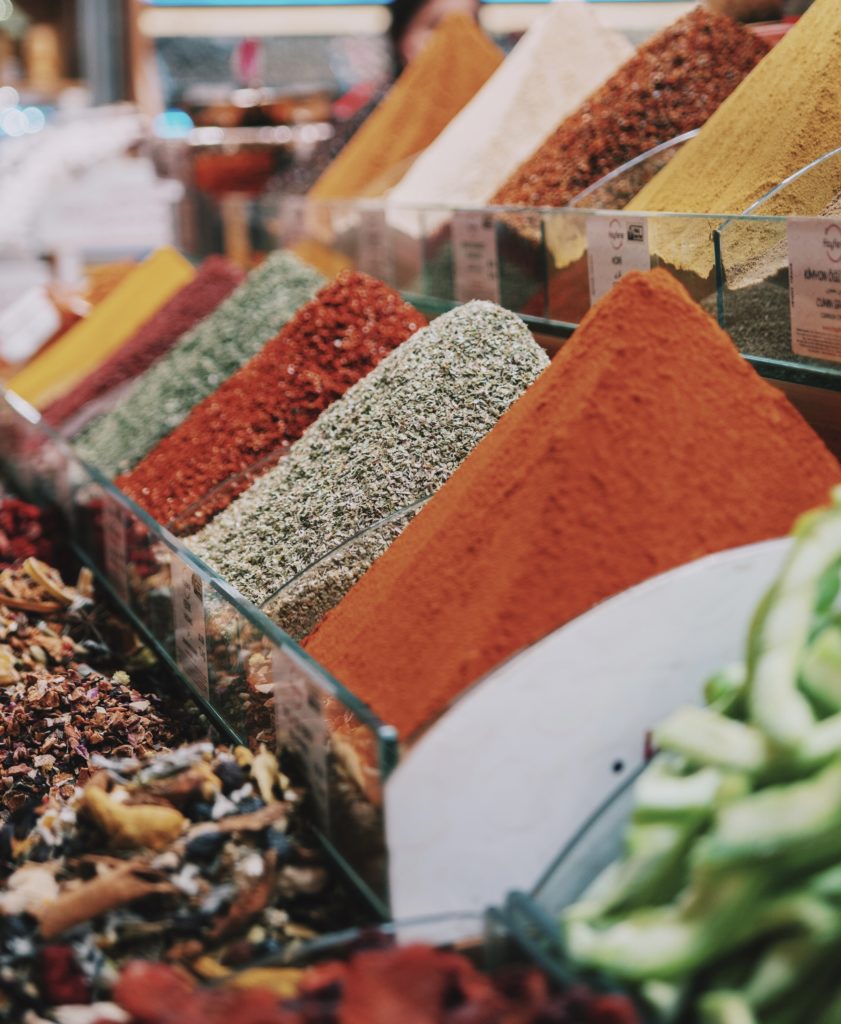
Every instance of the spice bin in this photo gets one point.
(212, 639)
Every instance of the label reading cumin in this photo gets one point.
(615, 246)
(300, 725)
(190, 630)
(814, 253)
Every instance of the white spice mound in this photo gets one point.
(563, 57)
(393, 438)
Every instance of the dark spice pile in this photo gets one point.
(413, 983)
(215, 280)
(328, 345)
(670, 86)
(191, 856)
(56, 712)
(26, 531)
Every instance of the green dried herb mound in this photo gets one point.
(726, 905)
(198, 363)
(394, 438)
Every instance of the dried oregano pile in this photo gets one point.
(394, 438)
(204, 358)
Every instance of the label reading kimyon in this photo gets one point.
(374, 245)
(475, 259)
(814, 255)
(190, 632)
(115, 546)
(615, 246)
(300, 725)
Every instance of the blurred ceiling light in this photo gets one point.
(7, 9)
(8, 96)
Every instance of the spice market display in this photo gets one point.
(281, 527)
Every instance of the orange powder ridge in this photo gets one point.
(647, 443)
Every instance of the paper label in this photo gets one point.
(374, 248)
(615, 246)
(190, 631)
(475, 258)
(25, 325)
(300, 725)
(814, 254)
(293, 219)
(115, 546)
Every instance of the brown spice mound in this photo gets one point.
(670, 86)
(647, 443)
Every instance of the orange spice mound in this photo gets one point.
(448, 72)
(647, 443)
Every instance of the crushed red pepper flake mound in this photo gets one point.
(670, 86)
(647, 443)
(328, 345)
(215, 280)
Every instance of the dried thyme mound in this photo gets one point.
(394, 438)
(205, 357)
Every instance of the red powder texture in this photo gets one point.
(328, 345)
(214, 282)
(648, 442)
(673, 84)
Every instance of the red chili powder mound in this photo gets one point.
(214, 282)
(328, 345)
(673, 84)
(648, 442)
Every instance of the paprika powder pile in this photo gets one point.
(455, 63)
(328, 345)
(670, 86)
(215, 280)
(198, 363)
(647, 443)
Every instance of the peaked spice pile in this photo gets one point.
(328, 345)
(784, 115)
(198, 363)
(670, 86)
(455, 63)
(393, 438)
(215, 280)
(647, 443)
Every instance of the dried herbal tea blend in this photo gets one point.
(391, 440)
(328, 345)
(200, 361)
(56, 712)
(194, 856)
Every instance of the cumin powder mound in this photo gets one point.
(451, 68)
(647, 443)
(784, 115)
(328, 345)
(215, 280)
(671, 85)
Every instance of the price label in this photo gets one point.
(25, 325)
(814, 254)
(475, 258)
(190, 629)
(115, 546)
(300, 725)
(615, 247)
(374, 248)
(294, 219)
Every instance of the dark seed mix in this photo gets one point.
(328, 345)
(215, 280)
(201, 360)
(673, 84)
